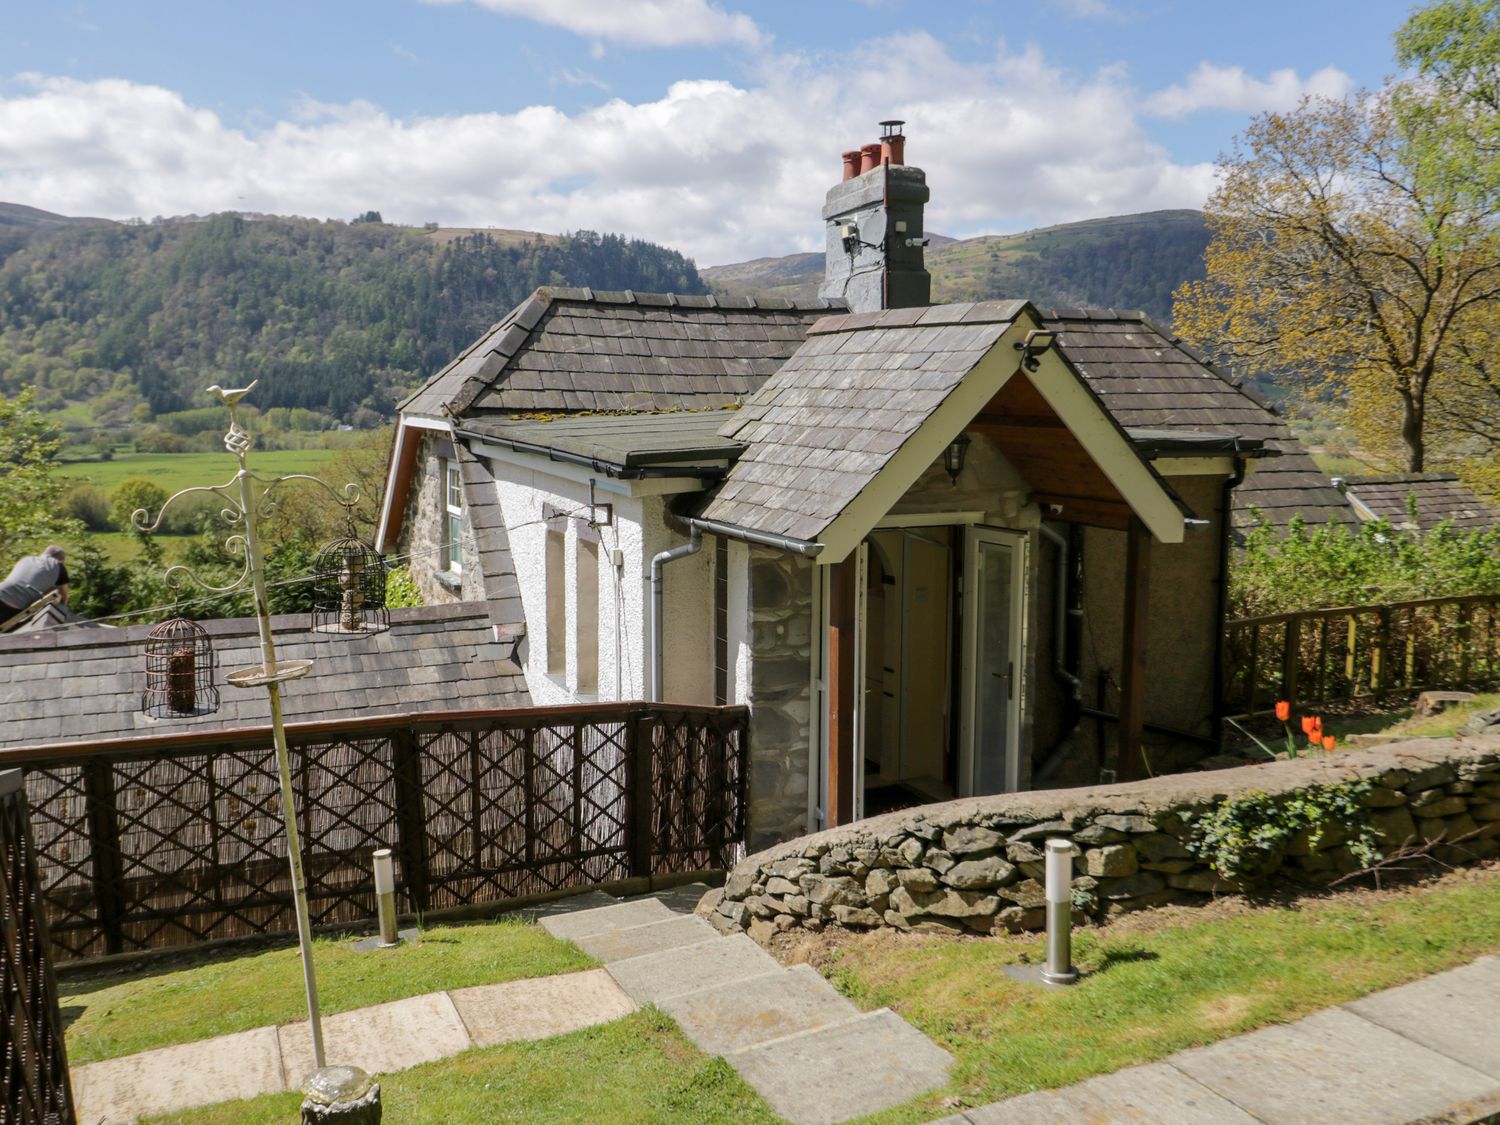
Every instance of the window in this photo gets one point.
(557, 603)
(586, 617)
(453, 519)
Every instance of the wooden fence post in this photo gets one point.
(640, 738)
(1291, 661)
(104, 847)
(411, 833)
(1379, 659)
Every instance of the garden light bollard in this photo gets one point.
(385, 897)
(1059, 968)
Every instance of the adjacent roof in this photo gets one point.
(69, 684)
(1438, 498)
(569, 350)
(615, 444)
(1148, 378)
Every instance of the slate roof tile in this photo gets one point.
(1438, 497)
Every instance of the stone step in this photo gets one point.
(655, 977)
(843, 1070)
(621, 943)
(1156, 1094)
(683, 899)
(575, 924)
(736, 1014)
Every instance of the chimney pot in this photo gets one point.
(869, 158)
(851, 164)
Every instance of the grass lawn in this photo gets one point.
(196, 996)
(639, 1070)
(182, 470)
(1159, 982)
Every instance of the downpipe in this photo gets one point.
(658, 609)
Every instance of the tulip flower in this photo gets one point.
(1284, 710)
(1328, 742)
(1307, 724)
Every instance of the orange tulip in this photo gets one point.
(1284, 710)
(1307, 725)
(1328, 742)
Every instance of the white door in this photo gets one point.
(994, 618)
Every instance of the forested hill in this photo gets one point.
(114, 322)
(1125, 261)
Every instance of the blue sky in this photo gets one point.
(709, 125)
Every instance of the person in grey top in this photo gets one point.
(30, 579)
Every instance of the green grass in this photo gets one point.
(639, 1070)
(1159, 986)
(182, 470)
(202, 995)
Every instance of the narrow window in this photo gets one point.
(453, 519)
(586, 619)
(557, 603)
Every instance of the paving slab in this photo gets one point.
(379, 1039)
(1332, 1066)
(654, 977)
(1158, 1094)
(1455, 1013)
(589, 900)
(540, 1007)
(574, 924)
(241, 1065)
(683, 899)
(635, 941)
(845, 1070)
(741, 1013)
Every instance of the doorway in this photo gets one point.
(906, 737)
(993, 644)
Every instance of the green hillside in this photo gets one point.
(116, 323)
(1126, 261)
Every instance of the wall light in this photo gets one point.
(953, 456)
(1037, 341)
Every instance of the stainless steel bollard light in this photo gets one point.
(385, 897)
(1059, 968)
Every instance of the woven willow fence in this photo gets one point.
(1361, 652)
(177, 840)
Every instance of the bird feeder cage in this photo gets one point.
(349, 589)
(179, 671)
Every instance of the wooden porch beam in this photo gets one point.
(1133, 651)
(1091, 510)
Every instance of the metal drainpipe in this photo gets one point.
(1226, 536)
(658, 614)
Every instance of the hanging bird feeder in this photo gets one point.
(348, 589)
(179, 671)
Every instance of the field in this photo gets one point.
(182, 470)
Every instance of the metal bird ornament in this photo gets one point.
(231, 397)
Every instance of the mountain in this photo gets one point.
(1125, 261)
(20, 215)
(117, 323)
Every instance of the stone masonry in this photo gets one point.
(975, 865)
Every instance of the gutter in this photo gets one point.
(802, 547)
(603, 468)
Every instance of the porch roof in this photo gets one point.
(679, 441)
(1437, 497)
(869, 390)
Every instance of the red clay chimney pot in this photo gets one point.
(893, 148)
(851, 164)
(869, 158)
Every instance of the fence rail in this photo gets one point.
(1352, 653)
(33, 1064)
(176, 840)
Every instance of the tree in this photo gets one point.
(133, 495)
(30, 496)
(1344, 256)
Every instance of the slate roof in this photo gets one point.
(1439, 497)
(70, 684)
(1148, 378)
(618, 443)
(569, 350)
(842, 406)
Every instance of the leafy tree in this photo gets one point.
(30, 496)
(130, 496)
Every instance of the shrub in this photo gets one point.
(1244, 837)
(134, 494)
(401, 589)
(87, 505)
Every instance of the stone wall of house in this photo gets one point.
(781, 598)
(422, 531)
(976, 865)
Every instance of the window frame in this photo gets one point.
(453, 518)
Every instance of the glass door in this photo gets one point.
(994, 617)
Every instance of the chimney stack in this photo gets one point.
(873, 220)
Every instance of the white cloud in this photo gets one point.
(1089, 9)
(722, 171)
(1229, 87)
(643, 23)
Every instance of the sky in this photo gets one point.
(713, 126)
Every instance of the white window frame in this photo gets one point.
(453, 518)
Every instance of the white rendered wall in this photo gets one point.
(740, 636)
(688, 607)
(623, 656)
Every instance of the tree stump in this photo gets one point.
(340, 1095)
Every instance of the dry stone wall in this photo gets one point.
(976, 865)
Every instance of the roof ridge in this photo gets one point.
(764, 303)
